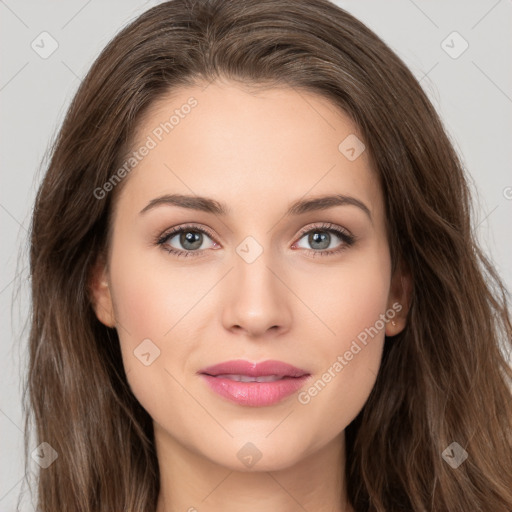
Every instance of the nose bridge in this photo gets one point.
(257, 300)
(252, 274)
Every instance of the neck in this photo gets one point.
(191, 483)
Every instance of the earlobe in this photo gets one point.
(100, 295)
(399, 301)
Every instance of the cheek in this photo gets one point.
(347, 299)
(158, 310)
(151, 300)
(351, 303)
(151, 308)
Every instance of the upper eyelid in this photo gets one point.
(327, 226)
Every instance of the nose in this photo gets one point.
(257, 298)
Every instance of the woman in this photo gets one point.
(192, 348)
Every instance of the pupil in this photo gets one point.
(191, 237)
(319, 238)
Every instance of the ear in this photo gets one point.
(99, 291)
(399, 300)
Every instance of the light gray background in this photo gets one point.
(472, 93)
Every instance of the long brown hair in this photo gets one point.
(443, 379)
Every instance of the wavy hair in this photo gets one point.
(444, 378)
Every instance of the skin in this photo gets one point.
(257, 153)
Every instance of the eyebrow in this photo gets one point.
(206, 204)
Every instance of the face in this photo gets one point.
(258, 272)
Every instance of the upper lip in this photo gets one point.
(242, 367)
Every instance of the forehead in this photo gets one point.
(248, 147)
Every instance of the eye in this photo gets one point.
(321, 240)
(190, 238)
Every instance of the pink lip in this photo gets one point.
(255, 394)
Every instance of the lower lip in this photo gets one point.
(255, 394)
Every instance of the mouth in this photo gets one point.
(254, 384)
(247, 378)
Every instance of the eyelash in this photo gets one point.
(347, 239)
